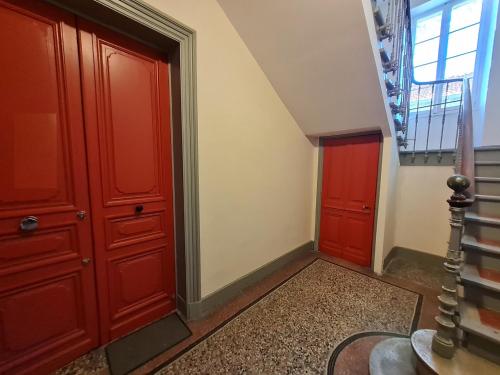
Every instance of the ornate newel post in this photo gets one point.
(445, 340)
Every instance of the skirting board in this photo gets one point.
(198, 310)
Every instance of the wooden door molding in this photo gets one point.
(166, 32)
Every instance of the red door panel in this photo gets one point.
(350, 170)
(126, 103)
(331, 231)
(47, 291)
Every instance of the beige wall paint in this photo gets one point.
(421, 221)
(317, 55)
(255, 164)
(385, 220)
(491, 127)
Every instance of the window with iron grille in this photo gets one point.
(446, 43)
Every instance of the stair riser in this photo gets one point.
(488, 188)
(483, 232)
(482, 297)
(487, 208)
(487, 155)
(482, 347)
(482, 260)
(488, 170)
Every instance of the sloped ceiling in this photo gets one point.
(318, 56)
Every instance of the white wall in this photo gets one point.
(317, 55)
(256, 167)
(491, 128)
(421, 220)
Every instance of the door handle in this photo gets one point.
(365, 207)
(86, 261)
(139, 208)
(29, 224)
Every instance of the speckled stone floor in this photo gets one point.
(293, 329)
(418, 267)
(95, 363)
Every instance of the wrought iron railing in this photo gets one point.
(434, 118)
(392, 19)
(426, 114)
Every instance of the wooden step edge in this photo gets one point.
(470, 275)
(470, 242)
(488, 179)
(473, 217)
(487, 162)
(470, 322)
(491, 198)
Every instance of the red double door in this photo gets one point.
(86, 216)
(350, 170)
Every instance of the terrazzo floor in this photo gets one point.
(294, 328)
(417, 268)
(339, 278)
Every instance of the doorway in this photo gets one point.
(86, 189)
(348, 197)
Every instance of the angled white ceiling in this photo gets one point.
(318, 56)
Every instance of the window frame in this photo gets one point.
(446, 8)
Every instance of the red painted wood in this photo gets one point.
(489, 317)
(127, 115)
(350, 170)
(48, 312)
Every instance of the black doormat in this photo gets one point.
(141, 346)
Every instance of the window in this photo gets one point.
(445, 47)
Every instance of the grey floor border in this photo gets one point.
(232, 290)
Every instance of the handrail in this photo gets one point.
(464, 164)
(462, 184)
(436, 82)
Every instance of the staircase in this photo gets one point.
(480, 275)
(468, 334)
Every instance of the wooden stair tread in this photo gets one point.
(484, 278)
(487, 179)
(480, 321)
(463, 363)
(470, 242)
(491, 198)
(473, 217)
(488, 163)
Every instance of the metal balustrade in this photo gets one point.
(426, 115)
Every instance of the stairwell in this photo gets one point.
(479, 308)
(441, 130)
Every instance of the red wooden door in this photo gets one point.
(47, 292)
(350, 170)
(127, 115)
